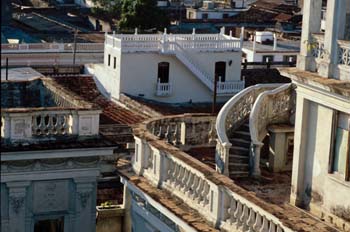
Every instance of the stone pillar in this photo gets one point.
(311, 24)
(256, 168)
(335, 25)
(17, 205)
(298, 169)
(85, 204)
(127, 224)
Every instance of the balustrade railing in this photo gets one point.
(51, 123)
(230, 86)
(184, 131)
(33, 124)
(271, 107)
(317, 46)
(51, 47)
(203, 189)
(344, 52)
(200, 42)
(231, 116)
(163, 89)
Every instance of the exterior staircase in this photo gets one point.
(181, 54)
(239, 152)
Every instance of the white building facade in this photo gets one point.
(320, 180)
(170, 68)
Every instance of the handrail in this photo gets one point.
(221, 120)
(267, 111)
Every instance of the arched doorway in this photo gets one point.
(220, 70)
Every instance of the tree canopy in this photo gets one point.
(143, 14)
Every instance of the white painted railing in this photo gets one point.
(51, 47)
(212, 195)
(199, 42)
(271, 107)
(163, 89)
(317, 46)
(32, 124)
(344, 52)
(230, 87)
(232, 115)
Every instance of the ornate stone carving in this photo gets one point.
(84, 197)
(17, 203)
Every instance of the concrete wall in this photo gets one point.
(212, 14)
(313, 187)
(258, 57)
(109, 220)
(139, 75)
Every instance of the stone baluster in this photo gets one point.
(176, 140)
(192, 190)
(170, 172)
(272, 227)
(189, 182)
(179, 177)
(175, 173)
(205, 195)
(168, 134)
(184, 179)
(198, 190)
(238, 214)
(50, 126)
(251, 220)
(265, 225)
(231, 211)
(159, 134)
(257, 224)
(244, 218)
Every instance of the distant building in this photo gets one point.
(170, 68)
(266, 48)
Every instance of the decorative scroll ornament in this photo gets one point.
(17, 203)
(84, 197)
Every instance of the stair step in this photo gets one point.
(244, 127)
(241, 135)
(240, 142)
(238, 159)
(238, 167)
(239, 150)
(236, 174)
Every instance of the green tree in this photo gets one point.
(143, 14)
(109, 8)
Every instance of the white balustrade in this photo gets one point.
(317, 46)
(231, 116)
(199, 186)
(230, 86)
(51, 47)
(344, 52)
(41, 124)
(271, 107)
(163, 89)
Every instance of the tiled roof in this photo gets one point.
(86, 88)
(173, 109)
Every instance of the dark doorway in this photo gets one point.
(50, 225)
(163, 72)
(220, 70)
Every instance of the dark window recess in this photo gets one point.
(115, 63)
(55, 225)
(220, 70)
(109, 59)
(163, 72)
(205, 16)
(225, 16)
